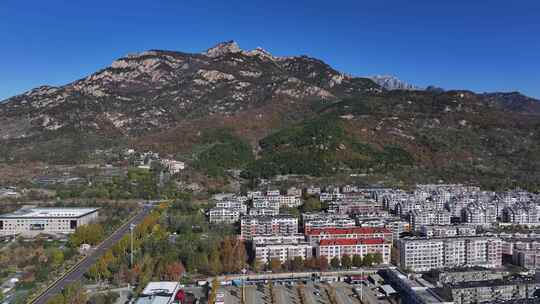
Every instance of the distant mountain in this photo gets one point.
(513, 101)
(155, 90)
(392, 83)
(295, 114)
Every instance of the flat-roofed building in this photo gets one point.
(223, 215)
(318, 234)
(267, 247)
(331, 248)
(33, 221)
(424, 254)
(281, 224)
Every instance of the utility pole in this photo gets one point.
(244, 285)
(131, 228)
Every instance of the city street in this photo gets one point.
(80, 269)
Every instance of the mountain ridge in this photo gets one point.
(164, 100)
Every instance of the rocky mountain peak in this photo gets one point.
(390, 82)
(261, 53)
(223, 48)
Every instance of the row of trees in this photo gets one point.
(90, 234)
(321, 263)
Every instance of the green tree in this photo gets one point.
(312, 204)
(56, 256)
(334, 262)
(377, 258)
(368, 260)
(357, 260)
(346, 261)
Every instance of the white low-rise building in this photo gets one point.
(267, 247)
(173, 166)
(33, 221)
(224, 215)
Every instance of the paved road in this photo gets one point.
(77, 273)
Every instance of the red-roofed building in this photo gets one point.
(331, 248)
(314, 236)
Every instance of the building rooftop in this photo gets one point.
(329, 242)
(49, 212)
(498, 282)
(351, 230)
(158, 293)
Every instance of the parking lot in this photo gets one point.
(315, 293)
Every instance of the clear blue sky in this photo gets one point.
(482, 45)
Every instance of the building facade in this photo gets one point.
(34, 221)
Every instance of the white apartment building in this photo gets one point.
(521, 214)
(329, 220)
(264, 203)
(421, 254)
(447, 231)
(479, 214)
(233, 205)
(419, 218)
(254, 194)
(313, 190)
(251, 226)
(273, 193)
(224, 215)
(280, 247)
(263, 212)
(285, 200)
(33, 221)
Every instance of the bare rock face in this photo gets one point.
(223, 48)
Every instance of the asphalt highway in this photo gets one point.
(76, 273)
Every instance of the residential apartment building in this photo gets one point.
(447, 230)
(326, 220)
(314, 236)
(529, 259)
(479, 214)
(223, 215)
(521, 214)
(419, 218)
(280, 247)
(263, 212)
(264, 203)
(251, 226)
(491, 291)
(232, 205)
(331, 248)
(289, 201)
(424, 254)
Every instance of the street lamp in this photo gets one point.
(244, 270)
